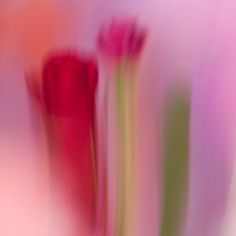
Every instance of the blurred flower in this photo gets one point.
(67, 98)
(121, 38)
(121, 41)
(67, 81)
(69, 84)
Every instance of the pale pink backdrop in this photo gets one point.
(190, 42)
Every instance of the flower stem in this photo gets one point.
(121, 167)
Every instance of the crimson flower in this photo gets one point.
(68, 100)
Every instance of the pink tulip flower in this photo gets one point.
(121, 38)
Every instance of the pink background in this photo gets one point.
(190, 42)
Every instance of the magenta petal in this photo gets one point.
(121, 38)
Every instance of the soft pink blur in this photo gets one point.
(190, 42)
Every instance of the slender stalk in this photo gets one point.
(121, 167)
(130, 159)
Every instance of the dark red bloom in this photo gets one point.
(69, 85)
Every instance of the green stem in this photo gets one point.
(121, 168)
(132, 120)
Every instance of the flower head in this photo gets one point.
(121, 38)
(69, 80)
